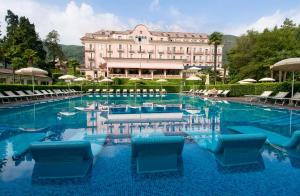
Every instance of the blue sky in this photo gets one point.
(73, 18)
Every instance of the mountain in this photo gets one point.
(73, 51)
(229, 42)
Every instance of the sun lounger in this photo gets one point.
(54, 92)
(151, 91)
(238, 149)
(264, 95)
(47, 93)
(90, 90)
(111, 91)
(295, 98)
(11, 94)
(138, 91)
(6, 97)
(29, 92)
(104, 91)
(98, 90)
(280, 96)
(157, 153)
(61, 159)
(225, 93)
(131, 91)
(125, 91)
(157, 91)
(21, 93)
(163, 91)
(145, 91)
(118, 91)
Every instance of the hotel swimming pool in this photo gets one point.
(114, 171)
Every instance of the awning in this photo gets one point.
(144, 65)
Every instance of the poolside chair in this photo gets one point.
(219, 92)
(104, 91)
(157, 91)
(6, 97)
(238, 149)
(225, 93)
(47, 93)
(264, 95)
(39, 93)
(157, 153)
(54, 92)
(118, 91)
(90, 90)
(97, 90)
(29, 92)
(61, 159)
(131, 91)
(295, 98)
(145, 91)
(138, 91)
(151, 91)
(21, 93)
(111, 91)
(280, 96)
(125, 91)
(163, 91)
(11, 94)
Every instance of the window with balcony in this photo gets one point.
(160, 56)
(150, 56)
(119, 37)
(120, 46)
(187, 50)
(109, 47)
(180, 57)
(100, 55)
(91, 46)
(174, 57)
(140, 48)
(130, 47)
(131, 55)
(168, 49)
(161, 39)
(174, 49)
(120, 54)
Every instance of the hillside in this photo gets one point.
(73, 51)
(229, 41)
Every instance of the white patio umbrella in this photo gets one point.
(32, 71)
(249, 80)
(243, 82)
(67, 78)
(193, 78)
(267, 80)
(290, 65)
(161, 81)
(80, 79)
(107, 80)
(194, 69)
(134, 79)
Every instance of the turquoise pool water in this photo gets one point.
(121, 117)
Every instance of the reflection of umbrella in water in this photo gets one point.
(32, 71)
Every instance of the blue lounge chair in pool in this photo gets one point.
(157, 153)
(238, 149)
(61, 159)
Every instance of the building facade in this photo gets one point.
(146, 54)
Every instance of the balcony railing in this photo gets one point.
(161, 52)
(91, 59)
(179, 52)
(131, 51)
(110, 51)
(141, 51)
(150, 51)
(120, 50)
(89, 50)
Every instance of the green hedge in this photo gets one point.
(235, 89)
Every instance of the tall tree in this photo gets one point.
(216, 39)
(52, 44)
(17, 63)
(74, 64)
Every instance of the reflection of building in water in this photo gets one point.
(129, 120)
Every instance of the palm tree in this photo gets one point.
(73, 63)
(216, 39)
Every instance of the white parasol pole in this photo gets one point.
(32, 78)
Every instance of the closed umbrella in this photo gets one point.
(32, 71)
(267, 80)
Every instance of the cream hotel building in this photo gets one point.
(146, 54)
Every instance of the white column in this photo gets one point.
(152, 74)
(165, 73)
(126, 73)
(140, 73)
(181, 74)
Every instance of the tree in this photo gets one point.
(17, 63)
(30, 57)
(52, 44)
(216, 39)
(74, 64)
(20, 36)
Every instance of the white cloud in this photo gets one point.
(71, 22)
(154, 5)
(266, 22)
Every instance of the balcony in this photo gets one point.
(110, 51)
(90, 50)
(198, 53)
(91, 59)
(179, 52)
(141, 51)
(121, 50)
(169, 52)
(161, 52)
(131, 51)
(150, 51)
